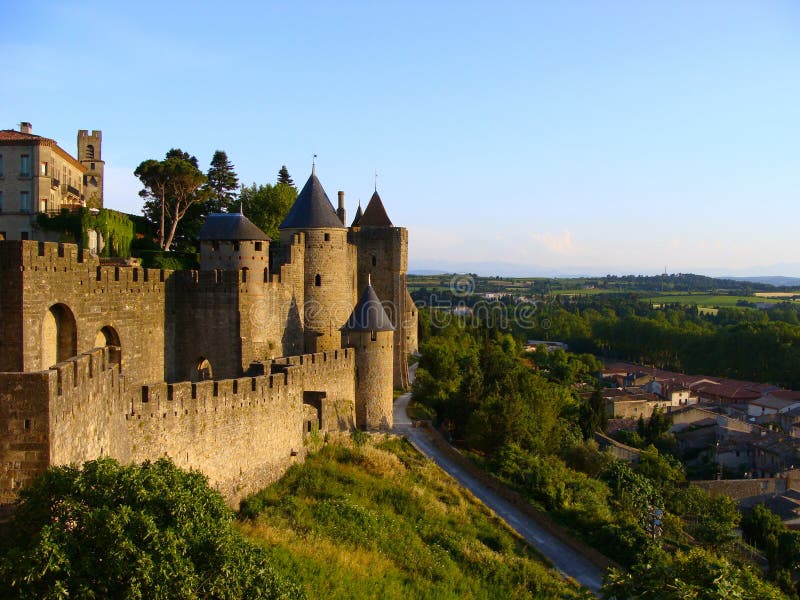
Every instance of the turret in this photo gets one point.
(230, 241)
(370, 332)
(329, 265)
(383, 252)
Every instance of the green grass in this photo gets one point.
(378, 520)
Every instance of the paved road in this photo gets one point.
(562, 556)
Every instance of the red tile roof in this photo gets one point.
(11, 137)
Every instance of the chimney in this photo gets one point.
(340, 212)
(25, 127)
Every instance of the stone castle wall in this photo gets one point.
(38, 275)
(242, 433)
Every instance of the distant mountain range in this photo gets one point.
(767, 275)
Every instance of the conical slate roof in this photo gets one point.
(312, 209)
(230, 226)
(369, 314)
(375, 214)
(357, 221)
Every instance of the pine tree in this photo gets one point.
(284, 177)
(222, 183)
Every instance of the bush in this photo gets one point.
(112, 531)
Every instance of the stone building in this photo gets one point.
(228, 369)
(38, 176)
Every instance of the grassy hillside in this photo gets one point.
(376, 520)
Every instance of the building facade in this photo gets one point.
(38, 176)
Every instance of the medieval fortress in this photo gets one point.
(228, 369)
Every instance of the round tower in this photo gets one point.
(370, 332)
(329, 265)
(231, 242)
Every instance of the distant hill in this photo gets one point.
(776, 280)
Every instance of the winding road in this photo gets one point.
(563, 557)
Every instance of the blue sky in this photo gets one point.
(521, 137)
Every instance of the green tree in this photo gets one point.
(283, 176)
(112, 531)
(171, 187)
(266, 205)
(696, 574)
(222, 183)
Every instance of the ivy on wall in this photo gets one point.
(115, 228)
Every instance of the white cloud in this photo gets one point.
(554, 242)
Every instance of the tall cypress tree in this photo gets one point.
(222, 183)
(284, 177)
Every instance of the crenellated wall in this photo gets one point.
(70, 413)
(242, 433)
(36, 276)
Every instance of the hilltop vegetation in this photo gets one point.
(525, 420)
(369, 518)
(374, 519)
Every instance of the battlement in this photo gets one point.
(173, 400)
(79, 371)
(48, 256)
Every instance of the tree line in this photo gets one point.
(530, 419)
(178, 196)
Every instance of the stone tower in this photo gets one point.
(329, 266)
(231, 242)
(90, 156)
(383, 253)
(370, 332)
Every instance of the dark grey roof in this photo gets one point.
(369, 314)
(230, 226)
(357, 220)
(312, 209)
(375, 214)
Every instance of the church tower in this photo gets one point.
(370, 332)
(90, 156)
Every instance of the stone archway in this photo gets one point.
(59, 335)
(202, 370)
(108, 336)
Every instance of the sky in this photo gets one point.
(526, 138)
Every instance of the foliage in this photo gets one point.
(112, 531)
(284, 178)
(222, 183)
(115, 228)
(377, 520)
(696, 574)
(765, 530)
(171, 187)
(266, 205)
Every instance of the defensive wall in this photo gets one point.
(242, 433)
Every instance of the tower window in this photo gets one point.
(91, 165)
(327, 237)
(374, 336)
(214, 246)
(258, 246)
(235, 246)
(317, 280)
(374, 260)
(90, 152)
